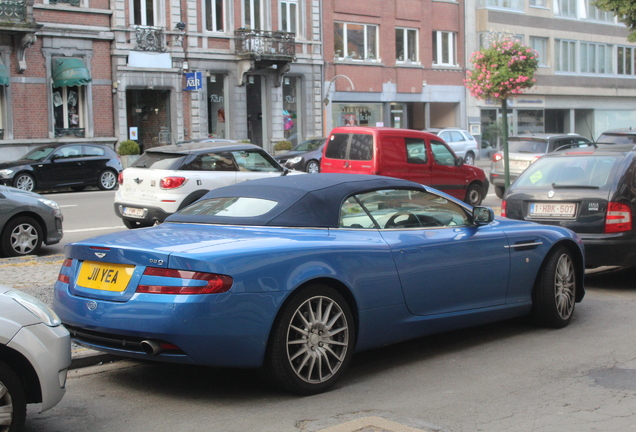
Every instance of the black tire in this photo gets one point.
(24, 181)
(12, 399)
(134, 224)
(21, 236)
(78, 188)
(554, 294)
(303, 357)
(107, 180)
(312, 167)
(469, 159)
(473, 195)
(500, 191)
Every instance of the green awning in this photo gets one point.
(69, 72)
(4, 75)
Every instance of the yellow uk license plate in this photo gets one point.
(105, 276)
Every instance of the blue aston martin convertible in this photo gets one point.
(294, 274)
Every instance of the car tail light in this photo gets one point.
(214, 283)
(62, 277)
(503, 208)
(618, 218)
(496, 157)
(536, 158)
(172, 182)
(120, 178)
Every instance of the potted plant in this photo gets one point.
(282, 147)
(128, 151)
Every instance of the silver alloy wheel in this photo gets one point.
(469, 159)
(313, 167)
(317, 339)
(24, 238)
(24, 182)
(565, 286)
(108, 180)
(6, 408)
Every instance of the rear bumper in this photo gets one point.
(499, 179)
(151, 214)
(609, 250)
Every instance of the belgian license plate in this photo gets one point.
(564, 210)
(105, 276)
(518, 164)
(133, 212)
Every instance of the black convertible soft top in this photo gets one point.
(311, 200)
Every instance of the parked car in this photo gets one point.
(35, 354)
(590, 191)
(461, 141)
(618, 136)
(402, 153)
(168, 178)
(27, 220)
(523, 150)
(57, 166)
(294, 275)
(304, 157)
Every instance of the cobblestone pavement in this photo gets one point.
(35, 275)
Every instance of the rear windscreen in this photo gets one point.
(360, 147)
(527, 146)
(616, 139)
(159, 160)
(581, 171)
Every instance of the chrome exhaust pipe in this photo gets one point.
(151, 347)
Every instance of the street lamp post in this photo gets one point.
(326, 99)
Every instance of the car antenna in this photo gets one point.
(589, 130)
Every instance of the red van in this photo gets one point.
(407, 154)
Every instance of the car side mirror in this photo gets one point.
(483, 215)
(459, 161)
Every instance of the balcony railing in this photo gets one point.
(13, 10)
(72, 132)
(150, 38)
(265, 45)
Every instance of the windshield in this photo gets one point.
(617, 139)
(589, 171)
(38, 154)
(527, 146)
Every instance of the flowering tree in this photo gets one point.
(503, 69)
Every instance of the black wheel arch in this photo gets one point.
(25, 371)
(194, 196)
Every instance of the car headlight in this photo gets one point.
(52, 204)
(6, 173)
(295, 160)
(36, 307)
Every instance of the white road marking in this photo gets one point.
(94, 229)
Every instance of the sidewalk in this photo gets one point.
(36, 275)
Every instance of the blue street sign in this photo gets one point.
(193, 81)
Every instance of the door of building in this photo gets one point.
(149, 112)
(255, 110)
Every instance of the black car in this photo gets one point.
(591, 191)
(27, 220)
(63, 165)
(305, 156)
(618, 136)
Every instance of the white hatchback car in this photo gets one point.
(461, 141)
(166, 179)
(35, 354)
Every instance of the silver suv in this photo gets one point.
(461, 141)
(523, 150)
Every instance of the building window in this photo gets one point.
(216, 106)
(505, 4)
(595, 58)
(444, 48)
(288, 16)
(595, 14)
(214, 15)
(147, 13)
(565, 8)
(540, 45)
(564, 56)
(406, 45)
(68, 111)
(537, 3)
(253, 15)
(625, 61)
(291, 107)
(356, 41)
